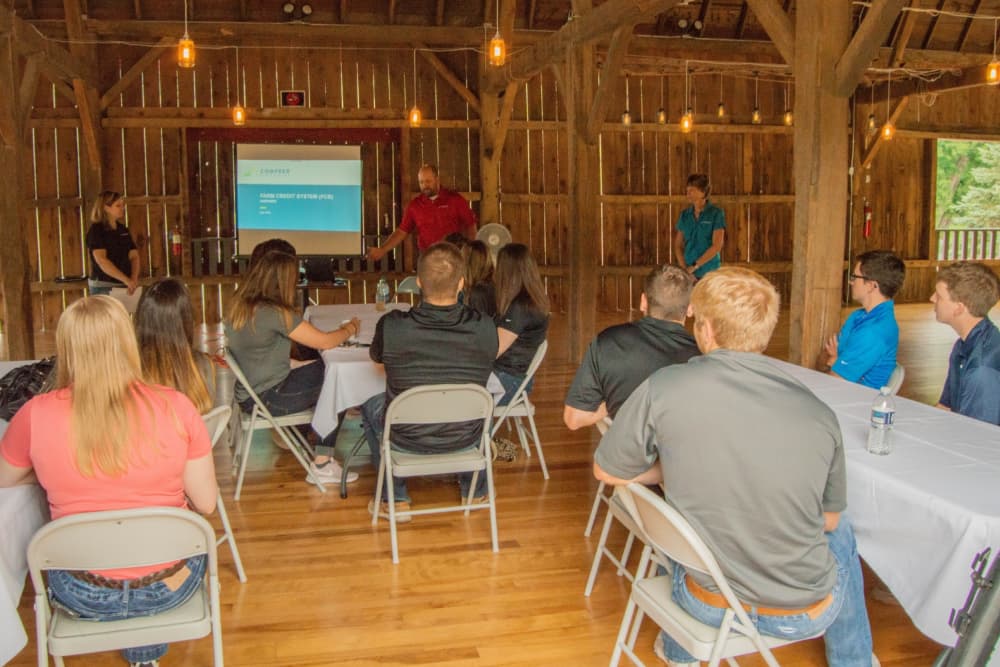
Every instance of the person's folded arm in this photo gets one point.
(308, 335)
(507, 338)
(575, 418)
(653, 475)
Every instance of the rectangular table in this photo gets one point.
(351, 378)
(921, 513)
(23, 510)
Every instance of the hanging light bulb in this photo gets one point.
(687, 121)
(755, 117)
(239, 113)
(720, 111)
(185, 47)
(661, 116)
(498, 48)
(626, 117)
(888, 131)
(872, 123)
(415, 116)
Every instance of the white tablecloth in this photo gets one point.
(23, 510)
(351, 377)
(922, 513)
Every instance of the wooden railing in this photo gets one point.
(958, 244)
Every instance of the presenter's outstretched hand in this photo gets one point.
(376, 253)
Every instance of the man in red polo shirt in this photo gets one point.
(435, 213)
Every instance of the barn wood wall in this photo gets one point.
(642, 177)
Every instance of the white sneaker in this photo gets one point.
(329, 473)
(658, 650)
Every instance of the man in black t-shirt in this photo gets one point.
(440, 341)
(622, 356)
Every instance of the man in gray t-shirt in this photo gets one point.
(754, 461)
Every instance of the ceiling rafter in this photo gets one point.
(964, 36)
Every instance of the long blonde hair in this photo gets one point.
(97, 212)
(164, 327)
(98, 360)
(271, 282)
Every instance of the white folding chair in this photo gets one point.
(407, 285)
(118, 539)
(668, 534)
(217, 420)
(896, 379)
(521, 406)
(260, 418)
(438, 404)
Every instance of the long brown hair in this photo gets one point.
(97, 212)
(97, 358)
(270, 282)
(164, 327)
(517, 274)
(478, 265)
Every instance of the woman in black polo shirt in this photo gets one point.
(523, 315)
(115, 259)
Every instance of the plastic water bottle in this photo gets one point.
(880, 429)
(381, 294)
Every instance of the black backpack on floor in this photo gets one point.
(21, 384)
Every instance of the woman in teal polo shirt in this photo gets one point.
(701, 230)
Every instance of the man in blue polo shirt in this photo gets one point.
(701, 230)
(865, 350)
(962, 299)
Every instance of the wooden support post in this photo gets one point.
(489, 160)
(821, 157)
(449, 77)
(864, 45)
(777, 24)
(88, 103)
(18, 339)
(582, 177)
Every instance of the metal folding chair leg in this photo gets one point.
(598, 498)
(227, 536)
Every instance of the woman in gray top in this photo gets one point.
(260, 328)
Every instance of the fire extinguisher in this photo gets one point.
(868, 219)
(175, 242)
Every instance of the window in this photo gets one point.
(967, 200)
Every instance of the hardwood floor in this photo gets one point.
(322, 589)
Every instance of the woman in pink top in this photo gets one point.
(105, 440)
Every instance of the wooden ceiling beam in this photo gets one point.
(137, 8)
(872, 151)
(864, 45)
(26, 91)
(439, 13)
(597, 23)
(532, 10)
(604, 96)
(933, 24)
(342, 14)
(28, 40)
(777, 24)
(392, 11)
(950, 81)
(134, 71)
(741, 21)
(964, 36)
(449, 77)
(902, 38)
(703, 15)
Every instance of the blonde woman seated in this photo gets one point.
(261, 326)
(106, 440)
(164, 327)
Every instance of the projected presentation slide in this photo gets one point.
(308, 195)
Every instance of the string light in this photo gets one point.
(185, 47)
(888, 131)
(788, 118)
(755, 117)
(239, 113)
(626, 115)
(872, 124)
(661, 115)
(687, 120)
(498, 48)
(993, 69)
(415, 116)
(721, 110)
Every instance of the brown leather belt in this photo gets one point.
(713, 599)
(103, 582)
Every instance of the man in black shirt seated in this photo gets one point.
(622, 356)
(440, 341)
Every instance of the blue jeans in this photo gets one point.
(297, 392)
(98, 290)
(848, 635)
(373, 414)
(95, 603)
(510, 384)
